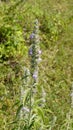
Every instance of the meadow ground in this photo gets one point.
(56, 68)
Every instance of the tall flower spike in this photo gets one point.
(34, 51)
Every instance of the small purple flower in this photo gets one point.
(35, 75)
(30, 51)
(32, 36)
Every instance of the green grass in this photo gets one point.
(56, 69)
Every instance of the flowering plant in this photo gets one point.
(31, 112)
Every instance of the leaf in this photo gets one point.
(26, 95)
(32, 119)
(16, 103)
(40, 112)
(48, 110)
(18, 111)
(38, 101)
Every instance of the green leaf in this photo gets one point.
(32, 119)
(38, 101)
(40, 112)
(26, 95)
(18, 110)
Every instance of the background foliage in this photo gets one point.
(56, 70)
